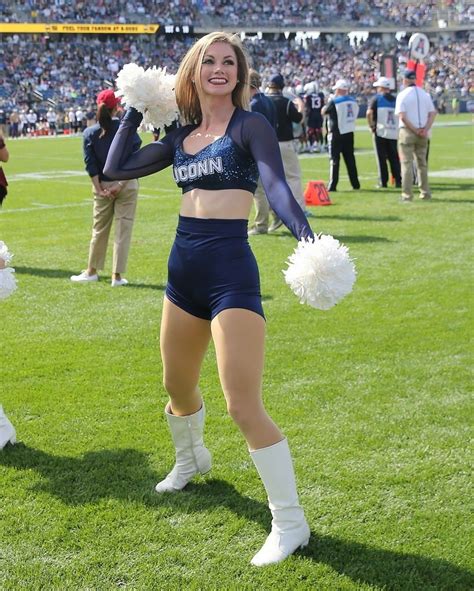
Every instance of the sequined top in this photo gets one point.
(223, 164)
(248, 148)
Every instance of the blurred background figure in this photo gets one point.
(113, 200)
(416, 113)
(3, 123)
(314, 102)
(52, 118)
(14, 124)
(259, 103)
(4, 156)
(384, 126)
(342, 110)
(287, 113)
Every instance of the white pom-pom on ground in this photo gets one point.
(7, 282)
(7, 277)
(151, 92)
(4, 253)
(320, 272)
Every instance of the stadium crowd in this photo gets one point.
(225, 13)
(32, 69)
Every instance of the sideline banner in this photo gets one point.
(76, 28)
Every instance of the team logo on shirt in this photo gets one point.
(195, 170)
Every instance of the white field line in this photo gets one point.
(64, 177)
(85, 202)
(457, 173)
(360, 127)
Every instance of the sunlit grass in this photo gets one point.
(374, 395)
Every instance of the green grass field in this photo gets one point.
(374, 395)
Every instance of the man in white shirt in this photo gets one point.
(79, 119)
(32, 119)
(52, 118)
(416, 114)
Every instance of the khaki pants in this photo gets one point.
(413, 147)
(122, 210)
(291, 166)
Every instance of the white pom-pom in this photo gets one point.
(7, 282)
(150, 91)
(4, 252)
(320, 272)
(7, 277)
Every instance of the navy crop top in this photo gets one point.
(223, 164)
(248, 148)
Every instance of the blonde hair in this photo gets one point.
(188, 77)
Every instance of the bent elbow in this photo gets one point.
(111, 171)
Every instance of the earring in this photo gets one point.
(193, 82)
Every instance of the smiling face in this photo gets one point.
(211, 68)
(219, 70)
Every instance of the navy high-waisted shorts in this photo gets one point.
(211, 268)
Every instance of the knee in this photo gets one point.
(175, 387)
(243, 413)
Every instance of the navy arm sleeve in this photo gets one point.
(124, 163)
(90, 159)
(261, 141)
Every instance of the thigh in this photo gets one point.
(406, 145)
(239, 340)
(125, 203)
(103, 211)
(420, 151)
(291, 164)
(334, 147)
(382, 147)
(347, 145)
(184, 339)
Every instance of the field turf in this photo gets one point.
(374, 395)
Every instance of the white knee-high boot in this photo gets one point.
(290, 530)
(191, 456)
(7, 431)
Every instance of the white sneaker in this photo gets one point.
(84, 277)
(118, 282)
(7, 431)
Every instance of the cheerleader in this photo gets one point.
(213, 288)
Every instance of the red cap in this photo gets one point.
(108, 98)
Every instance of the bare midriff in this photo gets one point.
(234, 204)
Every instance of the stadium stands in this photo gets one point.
(35, 68)
(227, 13)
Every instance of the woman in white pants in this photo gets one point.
(7, 286)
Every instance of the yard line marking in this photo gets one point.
(43, 176)
(44, 206)
(458, 173)
(326, 155)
